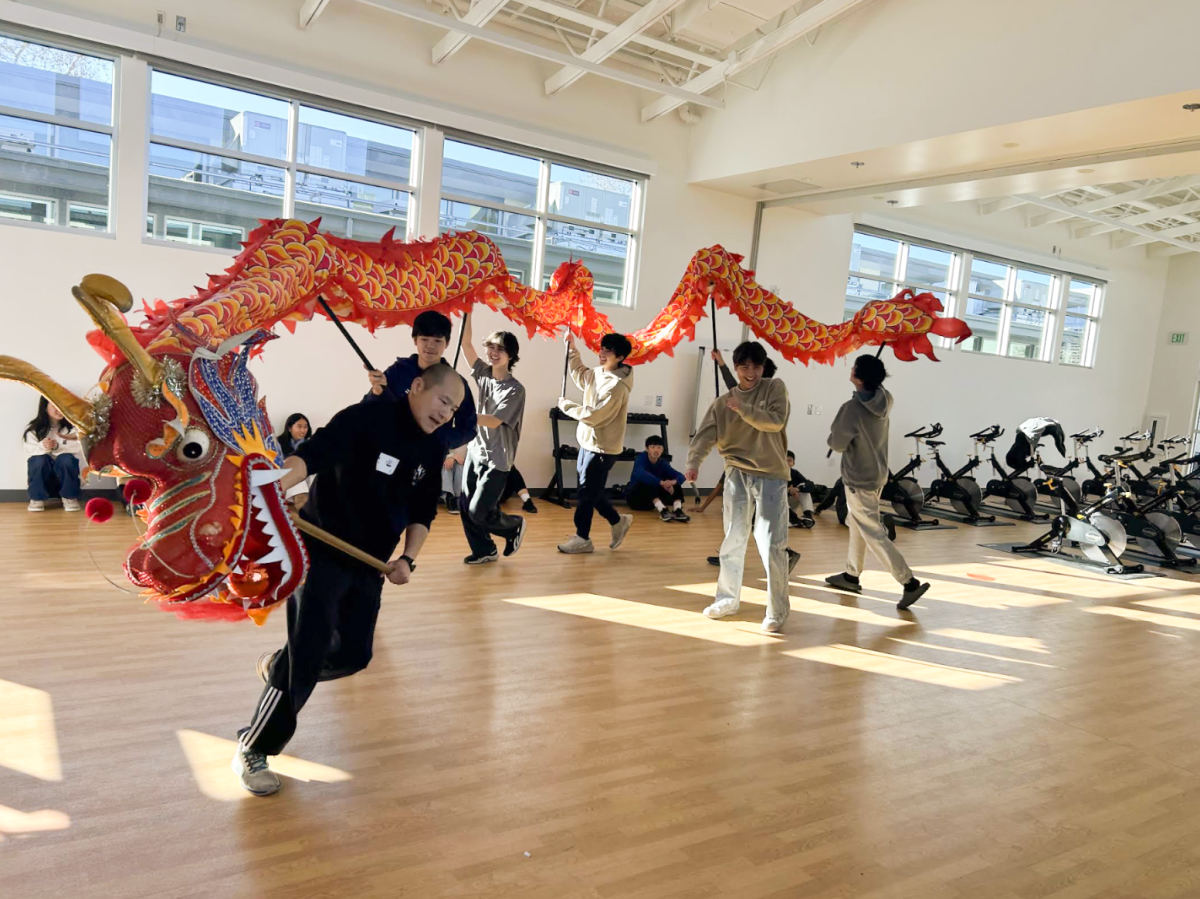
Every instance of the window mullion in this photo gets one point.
(289, 175)
(540, 235)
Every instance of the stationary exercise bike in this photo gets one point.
(1158, 533)
(1093, 485)
(959, 487)
(903, 491)
(1013, 487)
(1062, 477)
(1098, 535)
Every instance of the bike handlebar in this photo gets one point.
(988, 434)
(921, 433)
(1087, 436)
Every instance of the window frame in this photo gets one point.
(540, 212)
(960, 293)
(65, 43)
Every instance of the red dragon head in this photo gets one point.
(219, 542)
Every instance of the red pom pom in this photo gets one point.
(137, 491)
(98, 509)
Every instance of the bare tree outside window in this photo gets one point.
(50, 59)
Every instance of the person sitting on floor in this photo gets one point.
(296, 430)
(799, 496)
(452, 478)
(655, 484)
(55, 458)
(516, 486)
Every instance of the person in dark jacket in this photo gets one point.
(655, 484)
(799, 496)
(296, 430)
(860, 434)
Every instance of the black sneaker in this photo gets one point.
(665, 515)
(793, 520)
(680, 515)
(476, 559)
(913, 591)
(529, 507)
(793, 557)
(808, 521)
(512, 544)
(842, 582)
(890, 524)
(714, 560)
(451, 503)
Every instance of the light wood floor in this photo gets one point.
(573, 727)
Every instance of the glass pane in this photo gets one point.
(1026, 333)
(511, 231)
(1074, 341)
(988, 278)
(490, 175)
(590, 196)
(94, 218)
(928, 267)
(860, 291)
(55, 82)
(873, 255)
(983, 317)
(216, 116)
(349, 209)
(603, 252)
(1081, 297)
(191, 192)
(1033, 288)
(43, 168)
(330, 140)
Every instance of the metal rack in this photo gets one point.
(557, 490)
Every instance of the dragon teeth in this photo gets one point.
(275, 555)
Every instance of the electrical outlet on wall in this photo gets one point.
(658, 400)
(181, 24)
(818, 410)
(647, 399)
(810, 408)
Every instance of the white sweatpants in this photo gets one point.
(757, 505)
(802, 502)
(867, 530)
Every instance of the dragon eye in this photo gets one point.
(193, 446)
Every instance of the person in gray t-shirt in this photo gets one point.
(492, 453)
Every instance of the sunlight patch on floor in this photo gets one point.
(873, 662)
(1189, 604)
(1159, 618)
(1026, 644)
(209, 759)
(16, 822)
(803, 606)
(969, 652)
(28, 742)
(681, 622)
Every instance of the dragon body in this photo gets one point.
(178, 406)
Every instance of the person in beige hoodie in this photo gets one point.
(601, 436)
(748, 426)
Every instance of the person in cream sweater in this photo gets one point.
(601, 436)
(748, 426)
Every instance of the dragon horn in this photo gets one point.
(102, 296)
(78, 411)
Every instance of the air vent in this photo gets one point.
(788, 186)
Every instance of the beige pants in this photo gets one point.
(867, 530)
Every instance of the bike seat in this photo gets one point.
(935, 442)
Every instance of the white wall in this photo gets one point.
(808, 257)
(1176, 369)
(314, 371)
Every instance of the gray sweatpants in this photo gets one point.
(867, 530)
(757, 505)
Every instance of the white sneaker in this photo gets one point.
(619, 530)
(576, 545)
(720, 610)
(37, 505)
(251, 769)
(70, 505)
(772, 626)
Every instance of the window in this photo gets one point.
(1013, 310)
(221, 158)
(542, 213)
(55, 135)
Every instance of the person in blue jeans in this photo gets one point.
(655, 484)
(55, 459)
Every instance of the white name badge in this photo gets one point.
(387, 464)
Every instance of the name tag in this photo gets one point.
(387, 464)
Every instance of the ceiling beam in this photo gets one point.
(1003, 204)
(432, 17)
(571, 14)
(610, 43)
(1046, 218)
(1177, 231)
(1145, 192)
(1057, 206)
(805, 23)
(480, 13)
(1161, 213)
(1091, 230)
(310, 11)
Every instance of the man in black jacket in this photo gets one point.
(378, 468)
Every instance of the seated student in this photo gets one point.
(296, 430)
(799, 496)
(655, 483)
(431, 334)
(515, 486)
(55, 458)
(452, 478)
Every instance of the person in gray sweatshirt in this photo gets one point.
(860, 434)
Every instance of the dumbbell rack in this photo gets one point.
(557, 491)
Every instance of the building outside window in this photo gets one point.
(56, 132)
(1013, 309)
(542, 213)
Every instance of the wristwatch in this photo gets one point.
(412, 566)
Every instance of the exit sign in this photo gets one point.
(1178, 338)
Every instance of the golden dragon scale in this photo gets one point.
(287, 265)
